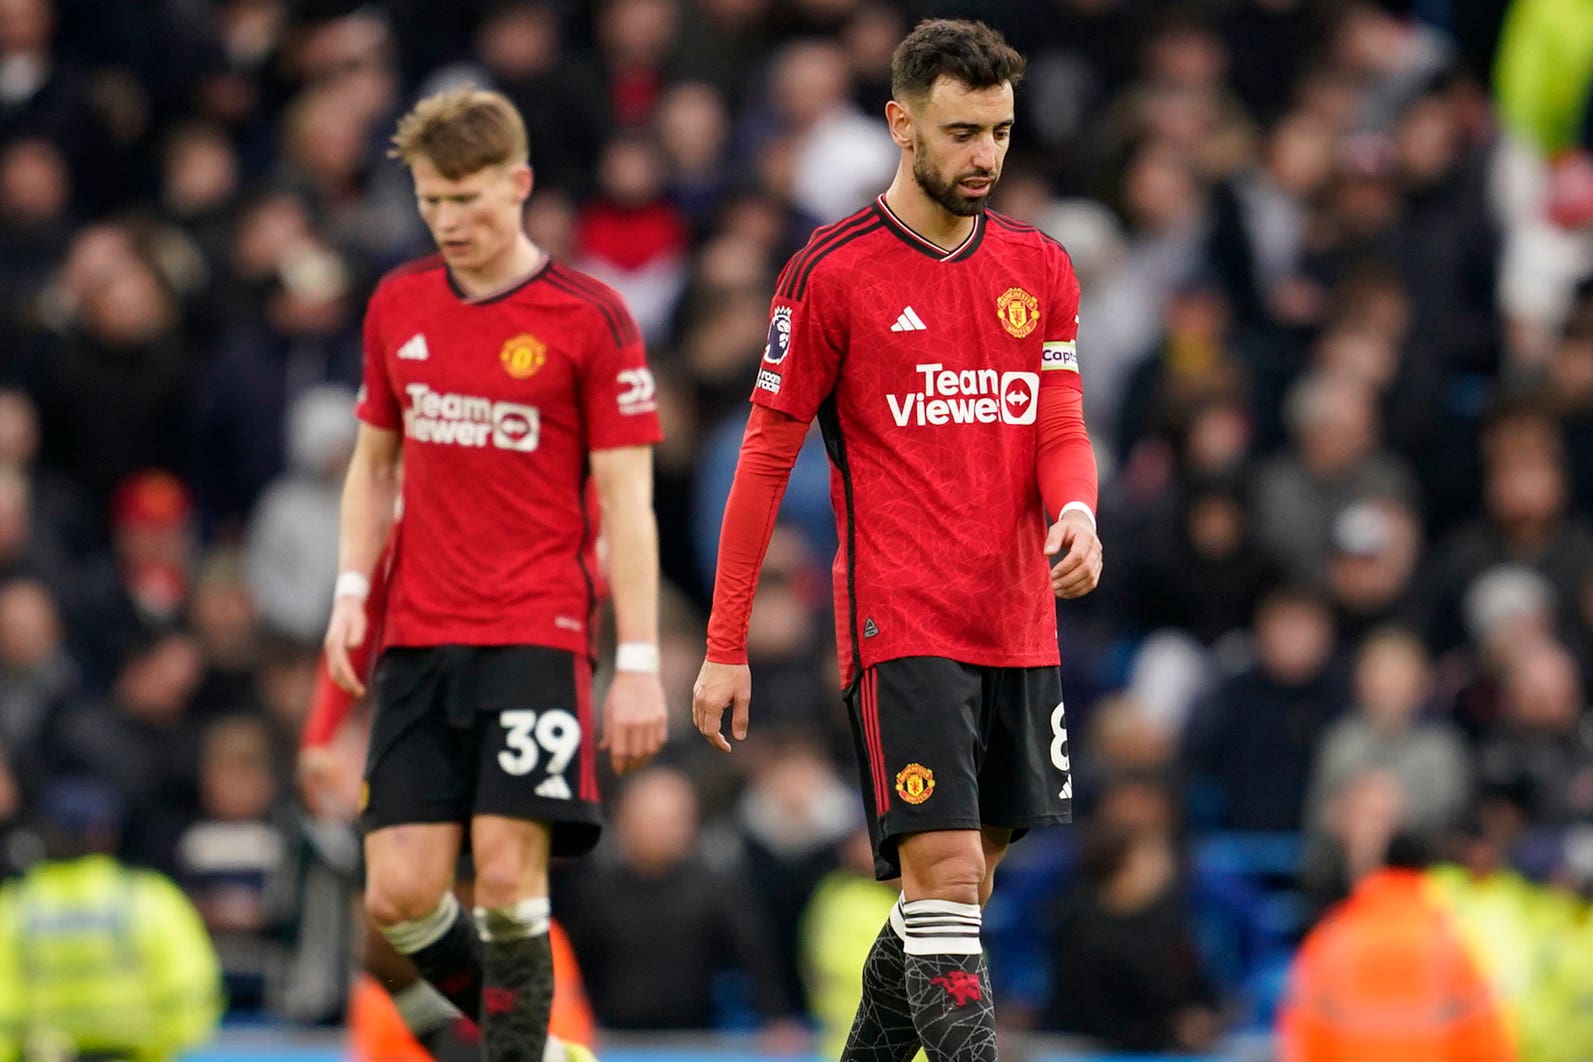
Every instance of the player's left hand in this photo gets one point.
(635, 720)
(1078, 572)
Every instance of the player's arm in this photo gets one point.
(636, 719)
(370, 493)
(769, 450)
(800, 369)
(1064, 459)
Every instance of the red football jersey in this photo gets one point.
(924, 367)
(499, 400)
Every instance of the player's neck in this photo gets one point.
(517, 262)
(925, 216)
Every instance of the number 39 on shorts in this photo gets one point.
(529, 734)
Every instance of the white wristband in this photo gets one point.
(351, 584)
(1078, 507)
(637, 656)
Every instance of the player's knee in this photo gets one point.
(392, 903)
(500, 882)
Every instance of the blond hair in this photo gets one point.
(461, 131)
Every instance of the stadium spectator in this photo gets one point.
(1526, 521)
(227, 858)
(290, 547)
(1125, 970)
(97, 957)
(1537, 761)
(1337, 460)
(649, 972)
(1387, 976)
(1252, 739)
(39, 682)
(1385, 731)
(143, 740)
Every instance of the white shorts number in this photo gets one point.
(555, 732)
(1059, 749)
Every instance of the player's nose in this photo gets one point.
(984, 157)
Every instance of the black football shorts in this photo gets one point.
(464, 730)
(943, 745)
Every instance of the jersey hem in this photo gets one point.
(1036, 659)
(576, 644)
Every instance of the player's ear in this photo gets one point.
(900, 121)
(524, 180)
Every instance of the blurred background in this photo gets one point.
(1337, 343)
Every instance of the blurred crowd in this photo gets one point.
(1337, 344)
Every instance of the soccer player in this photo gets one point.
(500, 380)
(934, 340)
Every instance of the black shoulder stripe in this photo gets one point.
(798, 260)
(608, 304)
(812, 263)
(1013, 225)
(607, 296)
(816, 245)
(565, 286)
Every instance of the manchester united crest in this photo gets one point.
(523, 355)
(1019, 311)
(915, 783)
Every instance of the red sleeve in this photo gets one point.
(768, 451)
(802, 355)
(618, 392)
(330, 705)
(376, 404)
(1065, 461)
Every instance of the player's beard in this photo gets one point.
(946, 193)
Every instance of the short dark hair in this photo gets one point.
(966, 51)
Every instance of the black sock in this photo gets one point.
(458, 1041)
(445, 947)
(883, 1030)
(517, 981)
(948, 982)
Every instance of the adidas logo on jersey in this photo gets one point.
(415, 349)
(909, 321)
(870, 628)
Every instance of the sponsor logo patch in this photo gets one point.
(968, 396)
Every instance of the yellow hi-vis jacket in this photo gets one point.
(111, 960)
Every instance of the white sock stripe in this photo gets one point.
(942, 946)
(409, 937)
(945, 907)
(423, 1008)
(528, 918)
(933, 919)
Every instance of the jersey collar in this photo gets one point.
(899, 228)
(503, 293)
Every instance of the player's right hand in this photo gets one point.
(346, 631)
(721, 686)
